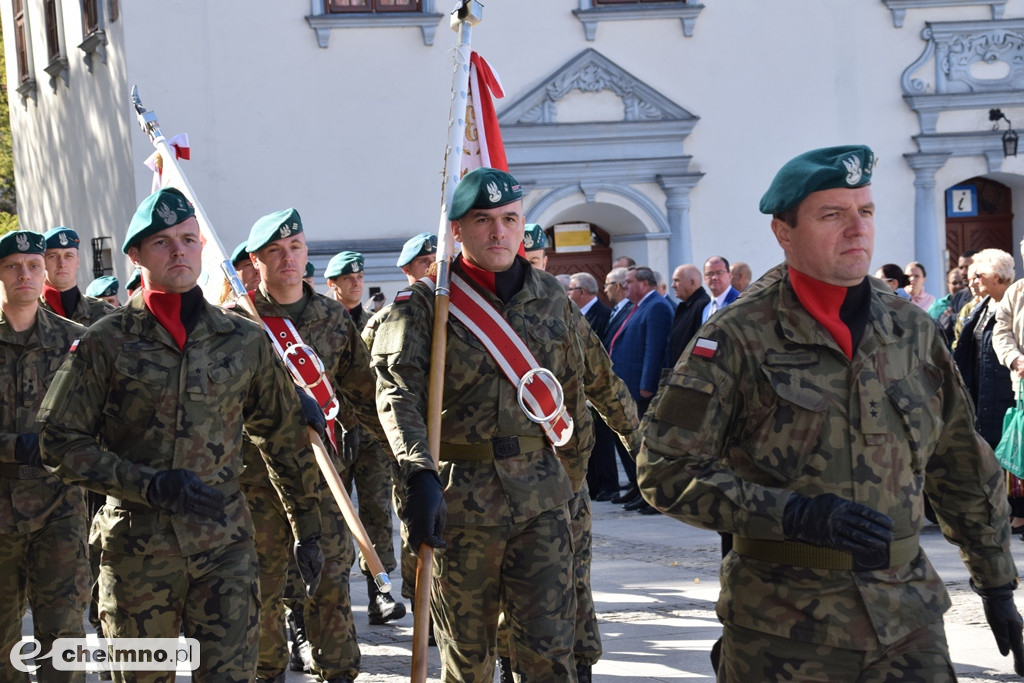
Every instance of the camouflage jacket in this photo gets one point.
(25, 372)
(128, 404)
(480, 403)
(778, 407)
(326, 326)
(89, 309)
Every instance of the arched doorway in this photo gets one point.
(597, 261)
(979, 215)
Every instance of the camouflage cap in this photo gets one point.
(158, 211)
(272, 227)
(22, 242)
(240, 253)
(345, 263)
(310, 270)
(61, 238)
(103, 286)
(483, 188)
(534, 237)
(135, 281)
(420, 245)
(820, 169)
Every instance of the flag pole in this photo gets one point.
(465, 15)
(175, 177)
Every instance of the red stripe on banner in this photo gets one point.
(488, 116)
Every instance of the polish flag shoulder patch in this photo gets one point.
(705, 348)
(403, 296)
(74, 345)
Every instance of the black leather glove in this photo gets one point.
(835, 522)
(1005, 621)
(309, 558)
(350, 445)
(181, 491)
(26, 450)
(425, 511)
(312, 413)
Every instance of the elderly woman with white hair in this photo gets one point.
(986, 347)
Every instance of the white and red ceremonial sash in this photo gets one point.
(483, 145)
(541, 391)
(304, 365)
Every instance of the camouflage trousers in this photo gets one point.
(274, 552)
(212, 596)
(373, 477)
(922, 657)
(525, 566)
(49, 569)
(330, 628)
(586, 648)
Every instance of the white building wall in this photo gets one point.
(353, 135)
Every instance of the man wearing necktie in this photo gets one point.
(716, 275)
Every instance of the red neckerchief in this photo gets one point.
(166, 308)
(52, 297)
(484, 278)
(823, 302)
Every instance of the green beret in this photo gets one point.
(22, 242)
(534, 237)
(61, 238)
(158, 211)
(345, 263)
(272, 227)
(239, 253)
(819, 169)
(420, 245)
(135, 281)
(483, 188)
(103, 286)
(310, 270)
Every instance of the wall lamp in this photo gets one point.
(1009, 137)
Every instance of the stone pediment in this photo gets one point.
(592, 72)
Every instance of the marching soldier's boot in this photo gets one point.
(300, 659)
(505, 670)
(583, 673)
(382, 608)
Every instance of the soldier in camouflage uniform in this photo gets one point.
(504, 490)
(277, 245)
(371, 472)
(149, 410)
(807, 419)
(104, 288)
(43, 557)
(60, 293)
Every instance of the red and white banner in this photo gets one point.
(483, 145)
(179, 143)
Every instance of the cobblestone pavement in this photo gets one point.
(655, 583)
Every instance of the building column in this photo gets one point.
(929, 235)
(677, 206)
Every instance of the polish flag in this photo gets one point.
(705, 348)
(483, 145)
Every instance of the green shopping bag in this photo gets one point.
(1010, 450)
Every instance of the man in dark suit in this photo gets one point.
(602, 473)
(719, 281)
(637, 350)
(686, 283)
(615, 290)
